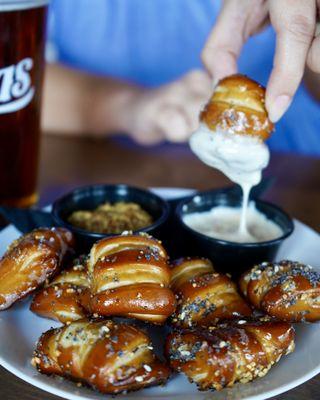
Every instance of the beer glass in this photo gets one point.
(22, 39)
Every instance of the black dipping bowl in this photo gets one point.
(231, 257)
(90, 197)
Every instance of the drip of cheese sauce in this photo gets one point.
(241, 158)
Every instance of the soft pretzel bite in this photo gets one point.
(238, 106)
(67, 297)
(30, 260)
(112, 245)
(107, 356)
(185, 269)
(220, 356)
(287, 290)
(130, 277)
(204, 296)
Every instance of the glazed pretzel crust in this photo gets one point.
(233, 352)
(130, 277)
(287, 290)
(30, 260)
(238, 106)
(109, 357)
(204, 296)
(67, 297)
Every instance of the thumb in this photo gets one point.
(294, 23)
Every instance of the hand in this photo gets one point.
(295, 24)
(82, 104)
(170, 112)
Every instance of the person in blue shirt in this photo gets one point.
(134, 66)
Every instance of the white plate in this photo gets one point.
(20, 329)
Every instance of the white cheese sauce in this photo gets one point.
(223, 223)
(241, 158)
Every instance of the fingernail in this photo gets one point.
(278, 107)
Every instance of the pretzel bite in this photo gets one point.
(107, 356)
(203, 295)
(67, 297)
(287, 290)
(221, 356)
(238, 106)
(30, 260)
(130, 277)
(110, 246)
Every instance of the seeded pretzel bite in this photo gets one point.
(30, 261)
(67, 297)
(105, 355)
(237, 351)
(287, 290)
(130, 277)
(203, 295)
(110, 246)
(238, 106)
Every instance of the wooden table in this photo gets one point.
(70, 162)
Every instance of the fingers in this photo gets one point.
(223, 46)
(199, 83)
(313, 59)
(148, 137)
(179, 116)
(198, 91)
(174, 125)
(170, 112)
(294, 23)
(179, 122)
(238, 19)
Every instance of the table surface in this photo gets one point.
(69, 162)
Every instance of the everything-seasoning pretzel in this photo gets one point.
(203, 295)
(109, 357)
(220, 356)
(130, 277)
(67, 297)
(30, 261)
(287, 290)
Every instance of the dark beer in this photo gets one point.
(22, 37)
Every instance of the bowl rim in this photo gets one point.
(98, 235)
(178, 214)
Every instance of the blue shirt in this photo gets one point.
(152, 42)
